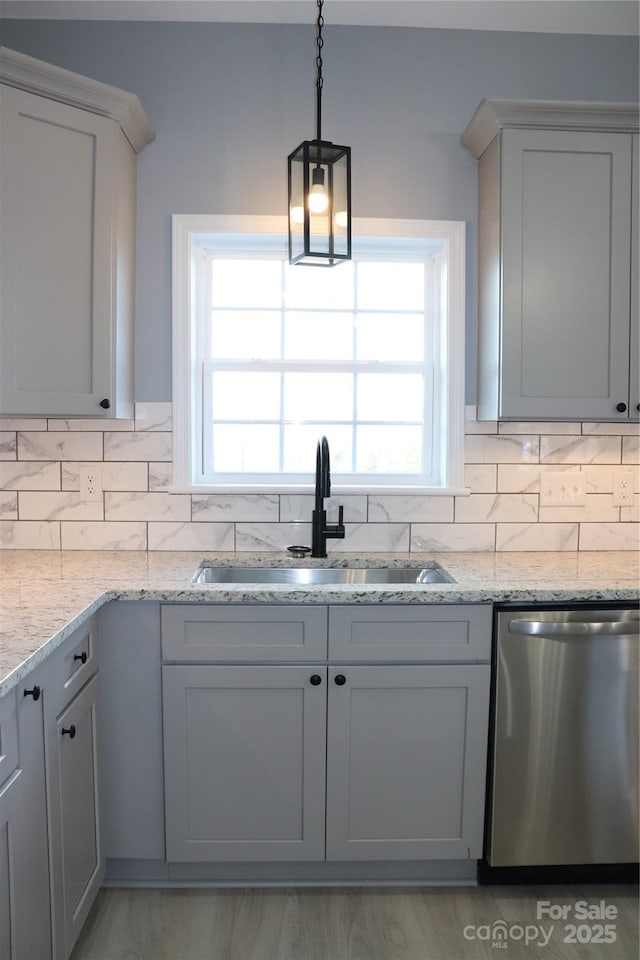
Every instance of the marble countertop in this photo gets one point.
(45, 595)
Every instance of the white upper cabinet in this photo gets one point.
(67, 247)
(557, 330)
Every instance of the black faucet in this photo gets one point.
(321, 531)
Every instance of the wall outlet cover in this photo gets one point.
(623, 491)
(91, 481)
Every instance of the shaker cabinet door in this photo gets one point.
(406, 757)
(81, 844)
(244, 762)
(634, 361)
(33, 694)
(13, 901)
(57, 169)
(565, 274)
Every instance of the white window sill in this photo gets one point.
(336, 490)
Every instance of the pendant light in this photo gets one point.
(319, 190)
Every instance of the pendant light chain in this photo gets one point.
(319, 187)
(319, 80)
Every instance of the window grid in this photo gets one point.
(283, 366)
(437, 247)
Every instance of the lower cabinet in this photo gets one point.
(14, 913)
(51, 862)
(76, 782)
(25, 917)
(329, 761)
(244, 762)
(406, 757)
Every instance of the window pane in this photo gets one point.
(314, 287)
(292, 353)
(375, 342)
(318, 336)
(246, 283)
(391, 286)
(300, 441)
(245, 334)
(246, 396)
(318, 396)
(390, 396)
(381, 449)
(245, 448)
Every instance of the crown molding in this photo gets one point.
(492, 116)
(55, 83)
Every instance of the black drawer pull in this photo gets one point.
(341, 679)
(83, 657)
(34, 692)
(105, 404)
(315, 680)
(621, 407)
(71, 731)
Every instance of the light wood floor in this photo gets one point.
(409, 923)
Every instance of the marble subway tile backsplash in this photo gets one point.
(42, 460)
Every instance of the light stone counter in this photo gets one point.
(45, 595)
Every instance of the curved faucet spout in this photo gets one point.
(323, 472)
(326, 468)
(320, 529)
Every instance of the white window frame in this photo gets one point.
(187, 425)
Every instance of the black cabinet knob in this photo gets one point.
(621, 407)
(82, 657)
(105, 404)
(34, 692)
(341, 679)
(637, 406)
(315, 680)
(70, 731)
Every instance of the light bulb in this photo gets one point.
(297, 214)
(318, 199)
(341, 218)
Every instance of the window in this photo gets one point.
(268, 357)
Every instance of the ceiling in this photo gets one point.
(600, 17)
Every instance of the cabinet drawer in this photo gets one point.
(209, 634)
(77, 661)
(8, 736)
(449, 632)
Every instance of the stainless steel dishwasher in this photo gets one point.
(564, 778)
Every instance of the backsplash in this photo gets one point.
(41, 508)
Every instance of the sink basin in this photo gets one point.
(311, 576)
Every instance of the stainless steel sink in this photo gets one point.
(311, 576)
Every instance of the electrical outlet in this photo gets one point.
(91, 482)
(623, 488)
(566, 488)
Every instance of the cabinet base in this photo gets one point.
(158, 873)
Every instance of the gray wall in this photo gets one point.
(229, 101)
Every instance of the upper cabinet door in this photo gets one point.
(68, 148)
(57, 175)
(566, 222)
(634, 377)
(57, 167)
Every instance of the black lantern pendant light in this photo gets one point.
(319, 190)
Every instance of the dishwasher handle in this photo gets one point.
(582, 628)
